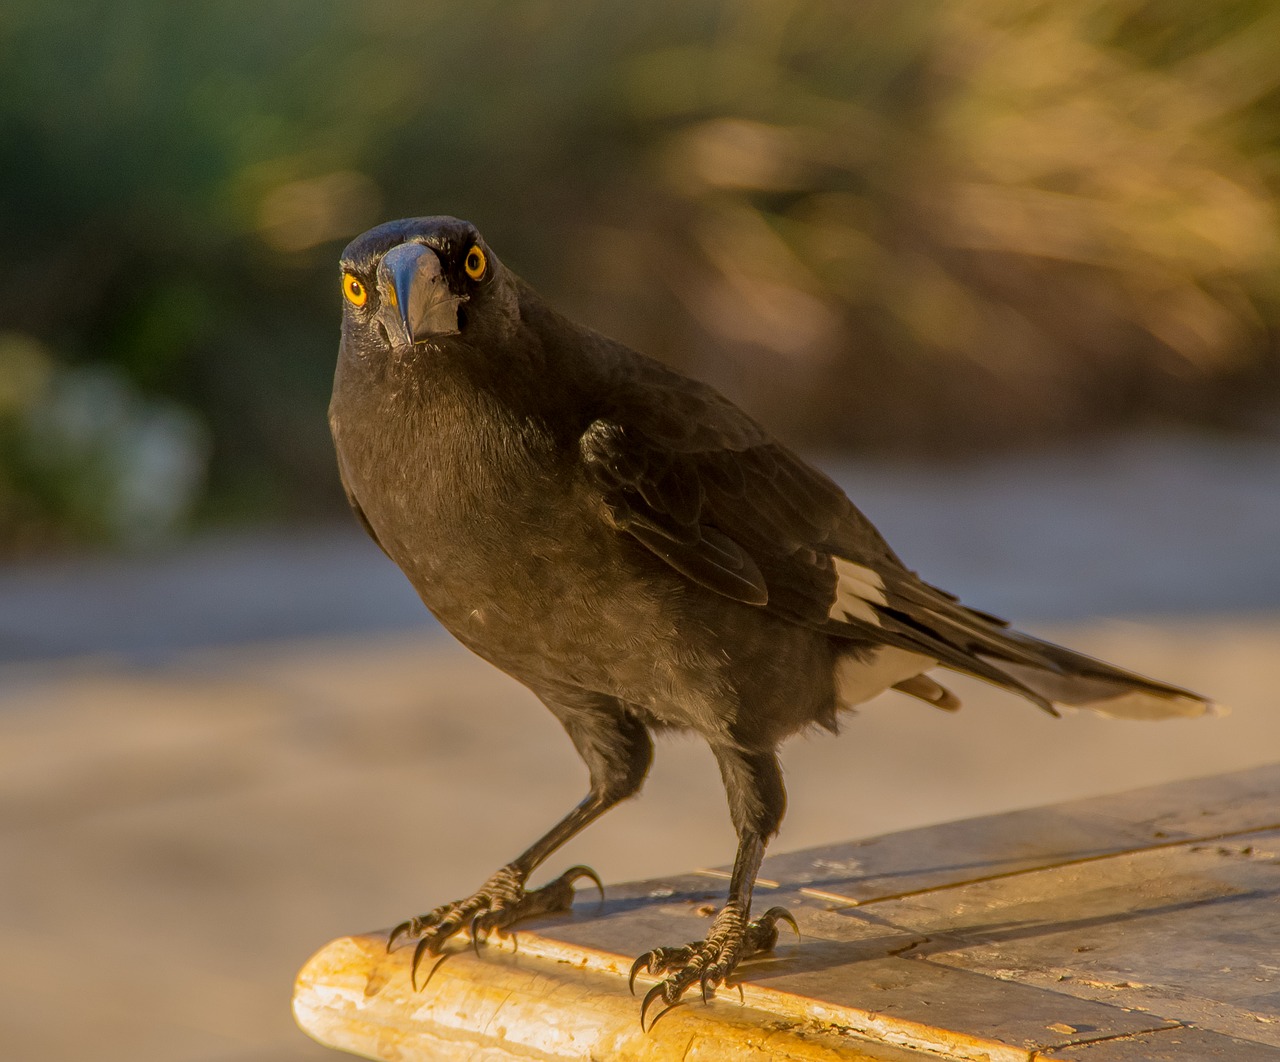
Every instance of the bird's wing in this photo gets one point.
(704, 487)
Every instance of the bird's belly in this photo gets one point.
(572, 610)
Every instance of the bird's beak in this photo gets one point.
(416, 301)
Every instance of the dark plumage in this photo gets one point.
(640, 553)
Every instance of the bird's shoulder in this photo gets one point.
(709, 490)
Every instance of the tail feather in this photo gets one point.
(914, 617)
(1077, 681)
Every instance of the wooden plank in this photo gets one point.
(537, 1003)
(957, 852)
(1112, 935)
(1190, 933)
(844, 978)
(1178, 1044)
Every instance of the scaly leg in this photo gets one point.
(753, 782)
(617, 751)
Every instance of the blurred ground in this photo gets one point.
(213, 762)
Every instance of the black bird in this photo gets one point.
(641, 554)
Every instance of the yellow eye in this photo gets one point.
(357, 294)
(476, 263)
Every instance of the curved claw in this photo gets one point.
(574, 873)
(640, 964)
(708, 987)
(654, 993)
(418, 952)
(781, 914)
(475, 931)
(397, 933)
(434, 967)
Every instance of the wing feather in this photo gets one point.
(702, 486)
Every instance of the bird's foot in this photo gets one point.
(708, 962)
(499, 902)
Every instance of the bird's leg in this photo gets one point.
(502, 899)
(617, 750)
(753, 782)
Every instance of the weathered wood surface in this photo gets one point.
(1143, 926)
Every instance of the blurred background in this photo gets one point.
(923, 228)
(1011, 271)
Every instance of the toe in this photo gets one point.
(663, 991)
(574, 874)
(645, 962)
(418, 953)
(401, 930)
(762, 934)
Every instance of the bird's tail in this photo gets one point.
(936, 630)
(1068, 679)
(1074, 680)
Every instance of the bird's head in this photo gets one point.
(422, 280)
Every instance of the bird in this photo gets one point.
(642, 555)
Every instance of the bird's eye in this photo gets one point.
(476, 263)
(357, 294)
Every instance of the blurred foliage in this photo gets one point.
(84, 457)
(921, 228)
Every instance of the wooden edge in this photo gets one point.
(546, 999)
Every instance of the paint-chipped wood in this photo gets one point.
(540, 1002)
(953, 853)
(1177, 1044)
(1191, 933)
(1139, 926)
